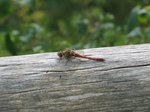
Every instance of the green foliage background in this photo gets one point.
(35, 26)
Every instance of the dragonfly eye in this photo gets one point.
(60, 54)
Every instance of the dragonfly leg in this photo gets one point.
(67, 61)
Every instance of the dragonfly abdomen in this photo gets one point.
(82, 56)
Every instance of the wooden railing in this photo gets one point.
(32, 83)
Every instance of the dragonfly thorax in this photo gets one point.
(67, 54)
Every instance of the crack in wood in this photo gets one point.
(16, 92)
(124, 67)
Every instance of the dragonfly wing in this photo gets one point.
(81, 52)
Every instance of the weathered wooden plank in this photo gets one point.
(122, 83)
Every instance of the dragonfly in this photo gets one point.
(68, 54)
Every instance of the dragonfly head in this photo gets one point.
(60, 54)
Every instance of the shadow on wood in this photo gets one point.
(122, 83)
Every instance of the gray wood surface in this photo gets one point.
(121, 84)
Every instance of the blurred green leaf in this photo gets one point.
(38, 29)
(5, 7)
(41, 48)
(28, 36)
(146, 34)
(4, 28)
(142, 16)
(136, 32)
(83, 26)
(30, 33)
(107, 26)
(30, 3)
(10, 45)
(133, 21)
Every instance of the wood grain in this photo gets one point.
(122, 83)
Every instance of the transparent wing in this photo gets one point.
(79, 52)
(68, 66)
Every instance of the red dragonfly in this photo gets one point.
(69, 53)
